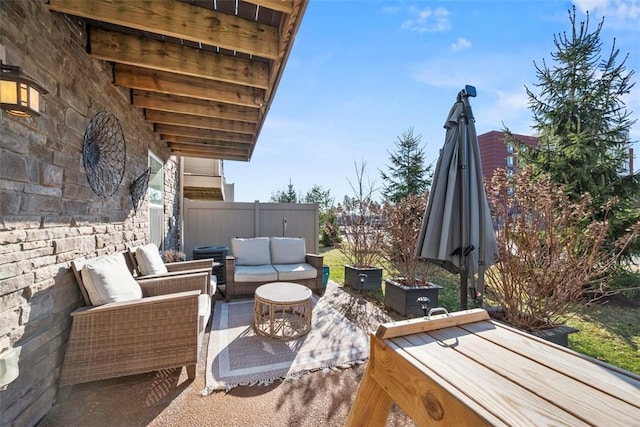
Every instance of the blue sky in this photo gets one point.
(362, 72)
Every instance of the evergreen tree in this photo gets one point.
(322, 197)
(329, 230)
(582, 122)
(407, 174)
(287, 196)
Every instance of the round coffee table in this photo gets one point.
(282, 310)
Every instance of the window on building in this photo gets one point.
(510, 161)
(627, 166)
(510, 148)
(156, 201)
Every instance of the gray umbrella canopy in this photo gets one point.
(457, 231)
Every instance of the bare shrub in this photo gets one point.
(402, 222)
(172, 255)
(553, 252)
(362, 234)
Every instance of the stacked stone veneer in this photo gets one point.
(48, 213)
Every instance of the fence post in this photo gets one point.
(256, 219)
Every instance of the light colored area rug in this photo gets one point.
(238, 356)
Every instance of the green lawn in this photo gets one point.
(609, 332)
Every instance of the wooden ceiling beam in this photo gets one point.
(171, 57)
(198, 107)
(181, 20)
(167, 118)
(204, 144)
(212, 149)
(207, 154)
(284, 6)
(238, 138)
(181, 85)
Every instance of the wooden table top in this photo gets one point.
(452, 371)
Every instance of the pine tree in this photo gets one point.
(407, 173)
(317, 194)
(583, 124)
(288, 196)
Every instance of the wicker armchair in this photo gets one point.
(158, 331)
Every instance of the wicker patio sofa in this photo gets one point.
(125, 330)
(259, 260)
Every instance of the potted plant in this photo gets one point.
(362, 235)
(409, 274)
(554, 254)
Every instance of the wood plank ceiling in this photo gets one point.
(204, 71)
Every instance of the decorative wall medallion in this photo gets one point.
(139, 189)
(104, 154)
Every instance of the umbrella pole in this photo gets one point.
(464, 277)
(467, 248)
(464, 239)
(463, 170)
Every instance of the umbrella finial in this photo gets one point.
(469, 91)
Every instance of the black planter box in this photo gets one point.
(403, 299)
(557, 334)
(372, 282)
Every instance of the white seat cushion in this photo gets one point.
(287, 250)
(213, 285)
(255, 273)
(149, 260)
(295, 271)
(204, 311)
(108, 279)
(251, 251)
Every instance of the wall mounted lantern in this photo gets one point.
(19, 94)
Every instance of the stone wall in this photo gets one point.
(49, 215)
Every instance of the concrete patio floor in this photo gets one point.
(168, 398)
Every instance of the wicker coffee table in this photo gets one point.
(282, 310)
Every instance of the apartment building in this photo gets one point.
(496, 153)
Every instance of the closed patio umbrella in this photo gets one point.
(457, 231)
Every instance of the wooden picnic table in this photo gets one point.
(464, 369)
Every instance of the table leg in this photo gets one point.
(308, 313)
(271, 320)
(372, 404)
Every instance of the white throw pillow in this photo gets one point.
(287, 250)
(251, 251)
(108, 279)
(149, 260)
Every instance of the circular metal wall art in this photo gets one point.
(104, 153)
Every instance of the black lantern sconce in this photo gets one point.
(19, 93)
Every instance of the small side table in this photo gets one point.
(282, 310)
